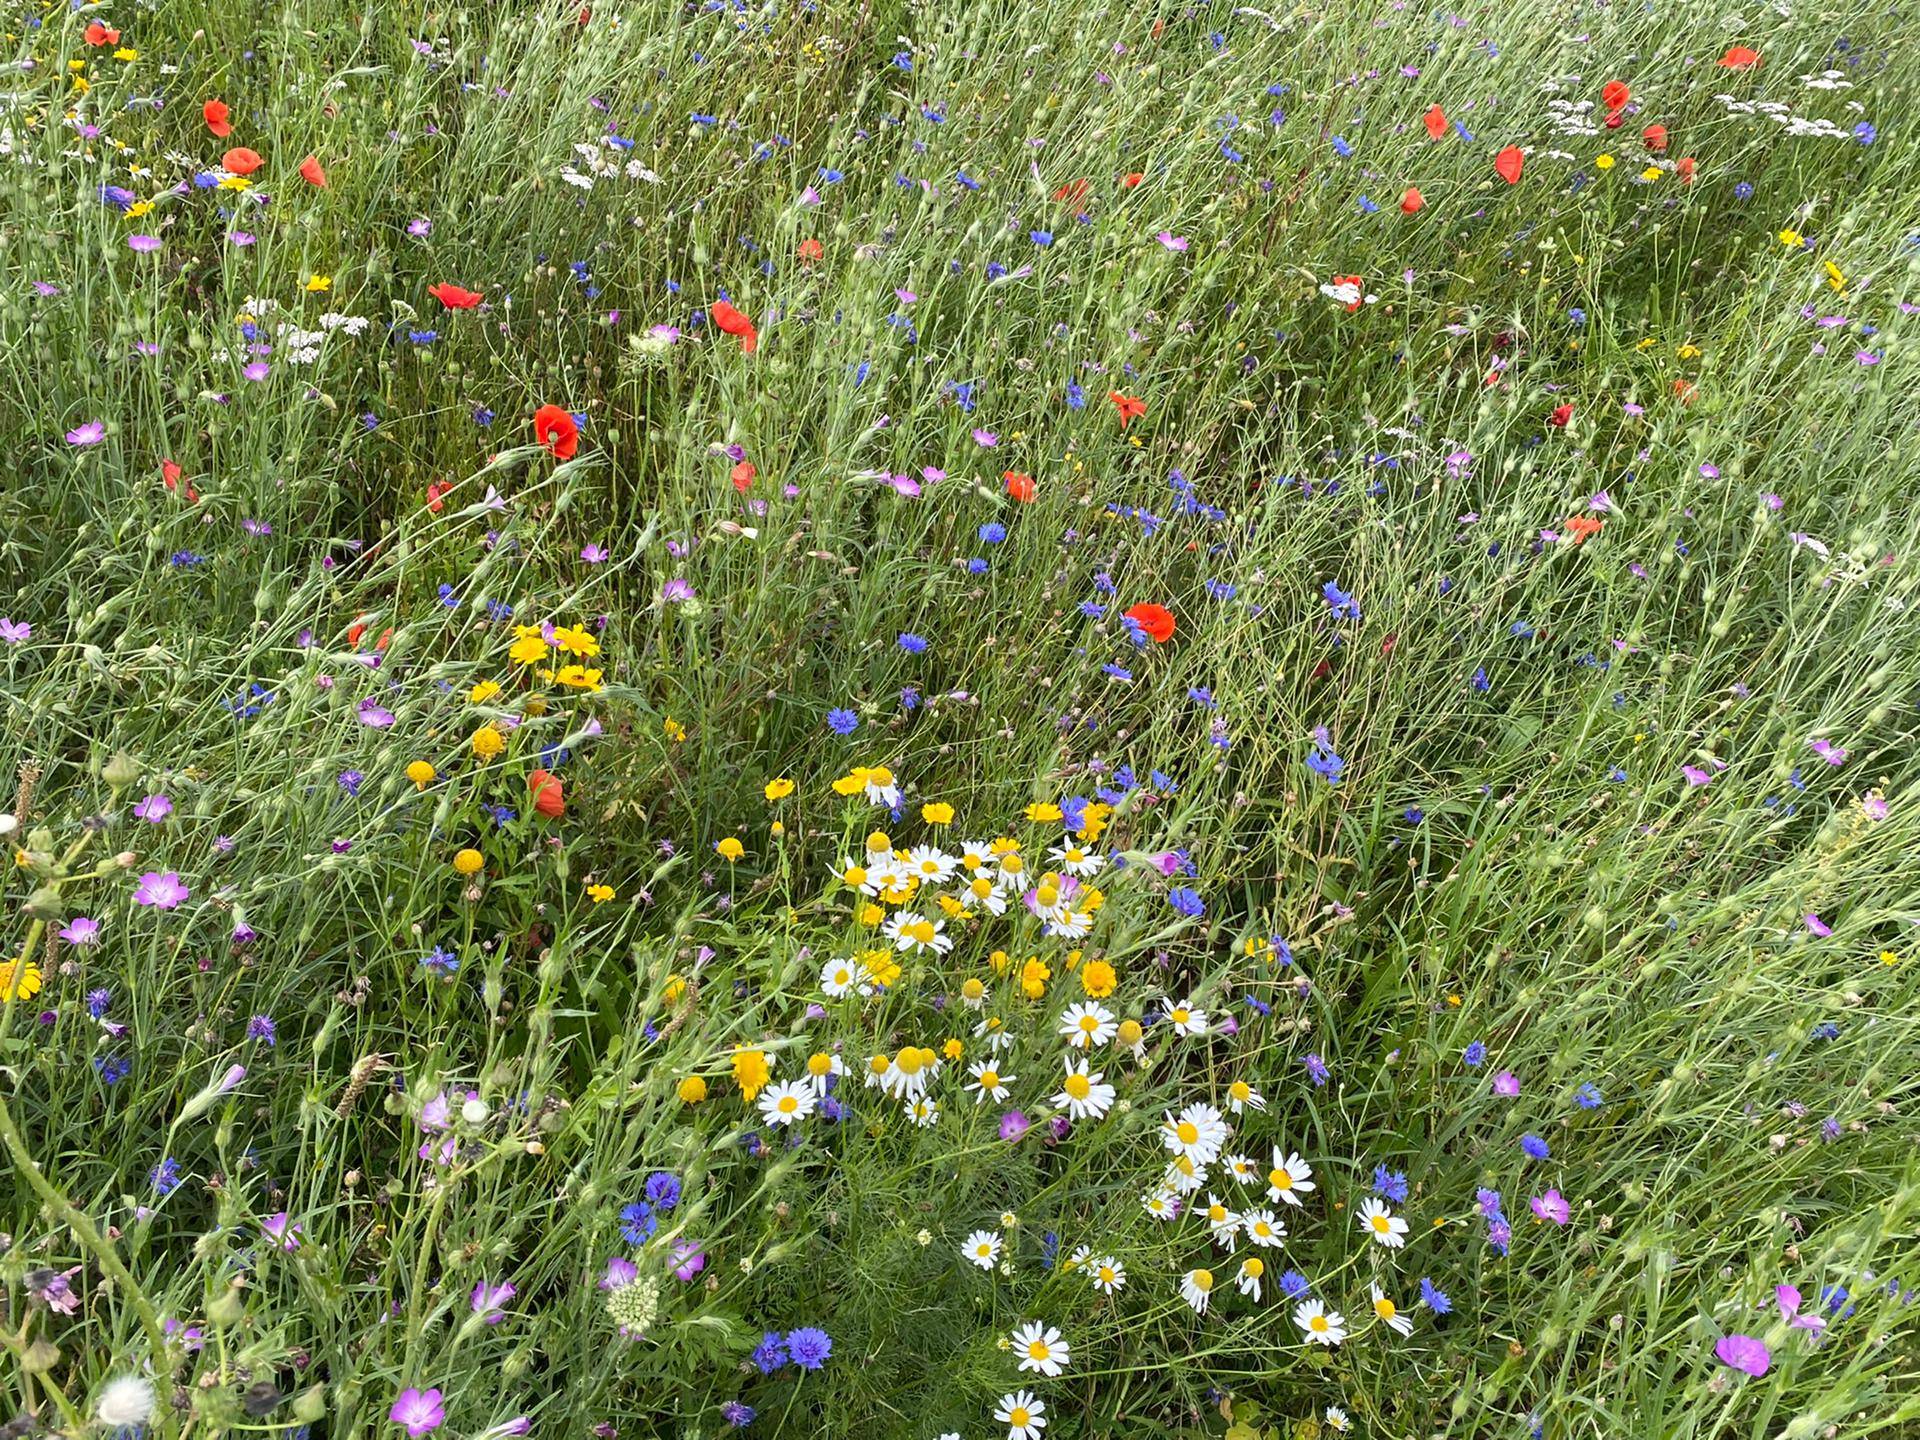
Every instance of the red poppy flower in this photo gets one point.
(742, 476)
(549, 796)
(1654, 137)
(555, 429)
(1584, 527)
(98, 34)
(1615, 94)
(1685, 169)
(215, 113)
(311, 172)
(1155, 620)
(1073, 192)
(733, 322)
(811, 250)
(1436, 121)
(171, 474)
(1130, 407)
(1740, 57)
(1615, 119)
(1411, 200)
(241, 161)
(435, 493)
(1127, 182)
(1508, 164)
(1561, 415)
(1020, 487)
(453, 297)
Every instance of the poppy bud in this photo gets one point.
(549, 799)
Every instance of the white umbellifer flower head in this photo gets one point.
(125, 1401)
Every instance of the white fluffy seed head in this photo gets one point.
(125, 1402)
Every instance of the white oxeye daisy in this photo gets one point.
(822, 1066)
(1198, 1133)
(1336, 1419)
(1087, 1023)
(1322, 1326)
(1084, 1095)
(912, 931)
(1248, 1280)
(1263, 1227)
(1185, 1177)
(1242, 1097)
(1068, 924)
(923, 1112)
(1186, 1018)
(1223, 1222)
(1289, 1176)
(988, 1083)
(1076, 859)
(1389, 1313)
(931, 865)
(1162, 1204)
(981, 1248)
(912, 1068)
(1023, 1415)
(973, 992)
(1040, 1348)
(1196, 1288)
(1243, 1169)
(1382, 1224)
(853, 873)
(981, 891)
(787, 1101)
(1108, 1275)
(839, 976)
(975, 855)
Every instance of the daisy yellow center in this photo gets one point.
(1012, 864)
(1262, 1229)
(989, 1079)
(1089, 1023)
(1253, 1268)
(1079, 1087)
(974, 989)
(984, 1248)
(1318, 1324)
(1107, 1276)
(856, 875)
(981, 887)
(1279, 1179)
(1384, 1308)
(788, 1104)
(878, 1064)
(1240, 1091)
(842, 975)
(1180, 1015)
(1217, 1214)
(909, 1061)
(821, 1064)
(1187, 1131)
(1018, 1417)
(1202, 1280)
(1047, 895)
(1381, 1223)
(1076, 855)
(929, 867)
(1037, 1349)
(921, 930)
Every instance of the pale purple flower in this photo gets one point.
(688, 1260)
(257, 371)
(282, 1231)
(153, 809)
(1743, 1353)
(421, 1412)
(1817, 926)
(161, 890)
(1874, 806)
(144, 244)
(81, 930)
(620, 1273)
(675, 591)
(91, 433)
(1506, 1084)
(1172, 242)
(1552, 1206)
(1695, 775)
(986, 438)
(487, 1300)
(593, 554)
(905, 485)
(1829, 752)
(374, 715)
(1788, 1299)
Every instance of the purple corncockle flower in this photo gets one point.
(81, 930)
(1013, 1125)
(1817, 926)
(620, 1272)
(1787, 1297)
(160, 889)
(1506, 1085)
(153, 809)
(283, 1231)
(421, 1412)
(373, 715)
(1552, 1206)
(488, 1298)
(1743, 1353)
(91, 432)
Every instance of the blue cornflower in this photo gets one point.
(992, 533)
(1390, 1183)
(1041, 238)
(1475, 1054)
(1340, 602)
(166, 1176)
(842, 722)
(1480, 680)
(1588, 1097)
(809, 1347)
(1535, 1147)
(1327, 764)
(1293, 1284)
(262, 1028)
(1316, 1068)
(1186, 901)
(663, 1190)
(441, 960)
(1434, 1298)
(1076, 397)
(771, 1353)
(637, 1222)
(911, 643)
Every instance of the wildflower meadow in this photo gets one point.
(942, 721)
